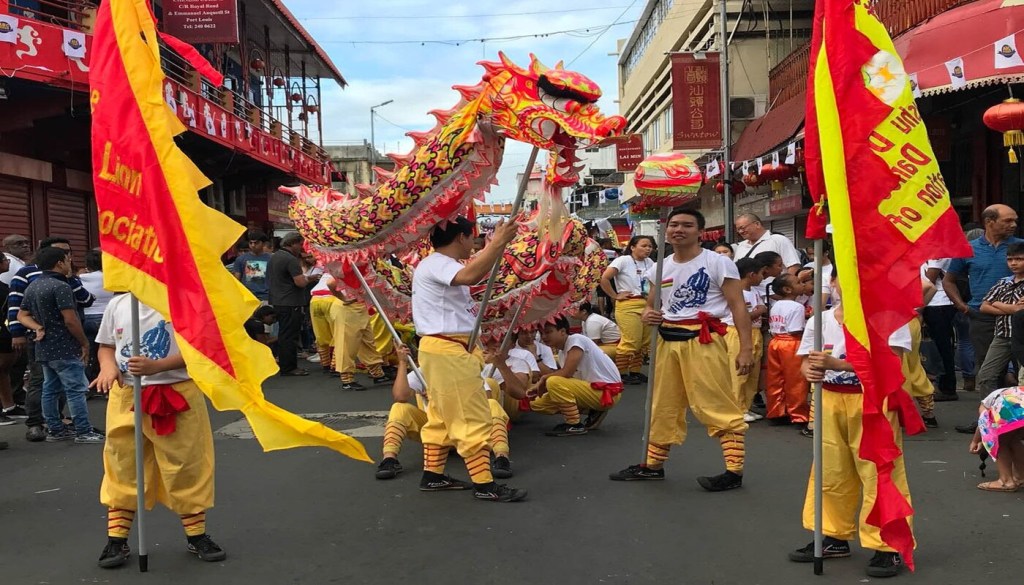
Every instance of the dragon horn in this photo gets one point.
(512, 66)
(560, 65)
(536, 67)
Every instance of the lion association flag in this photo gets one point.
(890, 212)
(163, 245)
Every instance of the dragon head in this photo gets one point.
(552, 109)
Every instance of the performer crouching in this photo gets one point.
(587, 377)
(444, 314)
(176, 429)
(702, 295)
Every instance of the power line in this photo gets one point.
(592, 30)
(450, 16)
(598, 37)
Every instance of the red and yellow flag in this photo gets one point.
(161, 243)
(869, 158)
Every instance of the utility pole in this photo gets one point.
(723, 33)
(373, 143)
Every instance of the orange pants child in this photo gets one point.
(785, 388)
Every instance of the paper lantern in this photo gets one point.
(257, 64)
(735, 187)
(312, 109)
(667, 179)
(781, 172)
(296, 97)
(279, 82)
(1008, 118)
(753, 180)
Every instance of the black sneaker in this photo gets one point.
(637, 472)
(498, 492)
(6, 420)
(595, 418)
(567, 430)
(831, 548)
(16, 411)
(943, 397)
(389, 468)
(207, 550)
(931, 422)
(966, 429)
(501, 468)
(115, 554)
(641, 378)
(631, 380)
(66, 434)
(807, 432)
(721, 483)
(353, 386)
(885, 564)
(435, 482)
(383, 379)
(35, 434)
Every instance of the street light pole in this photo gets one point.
(723, 17)
(373, 142)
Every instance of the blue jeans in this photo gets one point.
(964, 349)
(67, 377)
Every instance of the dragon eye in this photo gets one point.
(558, 84)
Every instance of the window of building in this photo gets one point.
(647, 34)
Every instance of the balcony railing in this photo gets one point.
(789, 77)
(73, 14)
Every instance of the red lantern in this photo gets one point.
(296, 97)
(279, 82)
(257, 64)
(1008, 118)
(735, 187)
(769, 172)
(753, 180)
(312, 109)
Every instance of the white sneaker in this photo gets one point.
(751, 417)
(315, 358)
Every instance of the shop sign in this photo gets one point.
(629, 154)
(696, 102)
(784, 205)
(202, 21)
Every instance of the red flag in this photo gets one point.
(890, 212)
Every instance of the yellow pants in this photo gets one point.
(457, 412)
(916, 381)
(629, 354)
(611, 350)
(412, 419)
(353, 338)
(563, 391)
(849, 481)
(508, 404)
(320, 313)
(178, 466)
(696, 376)
(745, 386)
(382, 341)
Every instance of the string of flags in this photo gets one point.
(1004, 56)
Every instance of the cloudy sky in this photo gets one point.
(412, 52)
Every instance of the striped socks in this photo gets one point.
(570, 411)
(195, 524)
(119, 522)
(624, 361)
(734, 451)
(394, 434)
(376, 370)
(479, 467)
(657, 455)
(434, 458)
(499, 437)
(326, 352)
(927, 404)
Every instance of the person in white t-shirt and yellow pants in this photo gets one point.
(628, 272)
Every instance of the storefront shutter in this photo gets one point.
(67, 216)
(14, 209)
(785, 227)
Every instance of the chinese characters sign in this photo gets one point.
(202, 21)
(696, 102)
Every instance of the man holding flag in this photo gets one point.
(874, 169)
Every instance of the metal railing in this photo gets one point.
(789, 77)
(72, 14)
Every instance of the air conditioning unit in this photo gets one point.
(747, 107)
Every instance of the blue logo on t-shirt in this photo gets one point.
(154, 344)
(692, 293)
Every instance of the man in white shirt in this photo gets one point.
(587, 378)
(702, 295)
(444, 314)
(939, 316)
(758, 239)
(600, 329)
(543, 356)
(18, 250)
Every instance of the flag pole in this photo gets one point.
(516, 206)
(140, 469)
(819, 560)
(655, 295)
(387, 323)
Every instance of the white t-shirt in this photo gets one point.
(16, 265)
(753, 300)
(941, 299)
(687, 288)
(322, 286)
(517, 362)
(631, 277)
(769, 242)
(833, 341)
(438, 307)
(521, 354)
(602, 329)
(93, 282)
(786, 317)
(594, 366)
(544, 354)
(156, 339)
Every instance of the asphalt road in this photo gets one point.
(310, 516)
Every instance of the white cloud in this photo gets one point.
(419, 77)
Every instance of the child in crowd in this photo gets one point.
(256, 326)
(602, 330)
(1003, 300)
(1001, 432)
(786, 389)
(751, 275)
(773, 267)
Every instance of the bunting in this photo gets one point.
(879, 173)
(161, 243)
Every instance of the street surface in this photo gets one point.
(311, 516)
